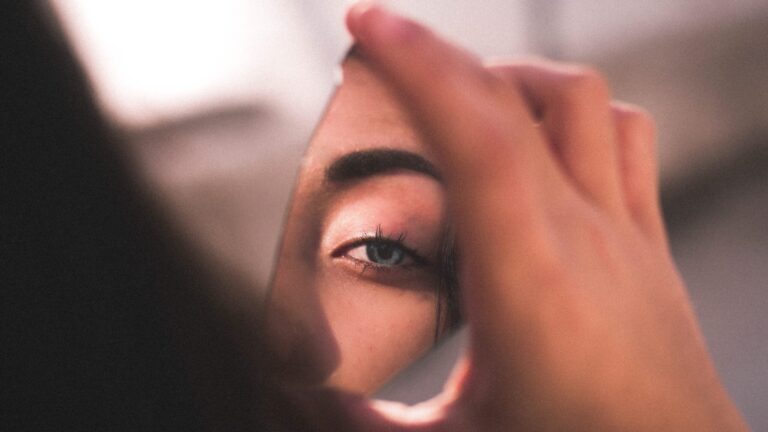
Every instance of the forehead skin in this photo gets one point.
(363, 114)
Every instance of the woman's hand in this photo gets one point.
(578, 318)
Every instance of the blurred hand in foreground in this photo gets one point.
(578, 318)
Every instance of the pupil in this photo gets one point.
(381, 253)
(385, 252)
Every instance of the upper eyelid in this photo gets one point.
(415, 262)
(366, 238)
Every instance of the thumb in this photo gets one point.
(492, 153)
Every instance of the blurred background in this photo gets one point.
(217, 101)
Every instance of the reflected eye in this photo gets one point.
(381, 253)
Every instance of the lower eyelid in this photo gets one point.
(412, 277)
(365, 265)
(365, 269)
(406, 266)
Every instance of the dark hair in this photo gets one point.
(449, 315)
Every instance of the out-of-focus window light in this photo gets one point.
(153, 60)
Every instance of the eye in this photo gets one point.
(381, 253)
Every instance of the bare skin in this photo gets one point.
(578, 318)
(360, 320)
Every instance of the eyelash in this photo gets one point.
(379, 237)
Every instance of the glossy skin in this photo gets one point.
(361, 322)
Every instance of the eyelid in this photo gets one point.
(364, 239)
(409, 262)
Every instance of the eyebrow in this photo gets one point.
(367, 163)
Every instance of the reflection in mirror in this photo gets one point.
(366, 252)
(698, 74)
(368, 241)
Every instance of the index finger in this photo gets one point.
(498, 167)
(435, 78)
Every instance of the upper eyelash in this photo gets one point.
(380, 237)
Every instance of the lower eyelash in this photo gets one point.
(379, 236)
(377, 267)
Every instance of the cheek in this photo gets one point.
(379, 330)
(299, 335)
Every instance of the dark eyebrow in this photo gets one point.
(367, 163)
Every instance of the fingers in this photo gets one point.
(496, 163)
(573, 106)
(607, 148)
(447, 90)
(550, 299)
(636, 138)
(502, 173)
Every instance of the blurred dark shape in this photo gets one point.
(105, 320)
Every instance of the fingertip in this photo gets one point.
(373, 25)
(354, 15)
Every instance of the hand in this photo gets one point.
(578, 318)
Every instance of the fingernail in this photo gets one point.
(367, 19)
(354, 13)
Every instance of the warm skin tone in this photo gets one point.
(578, 318)
(361, 322)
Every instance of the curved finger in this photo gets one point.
(447, 90)
(573, 106)
(636, 138)
(498, 169)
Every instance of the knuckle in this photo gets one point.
(583, 83)
(506, 66)
(499, 67)
(634, 121)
